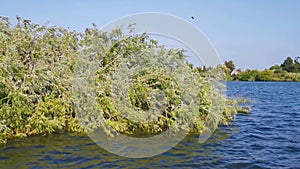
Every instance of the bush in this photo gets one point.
(37, 69)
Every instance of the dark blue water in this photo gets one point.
(267, 138)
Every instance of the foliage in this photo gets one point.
(291, 65)
(37, 69)
(287, 71)
(36, 63)
(288, 65)
(230, 65)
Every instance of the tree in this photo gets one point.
(275, 67)
(297, 64)
(266, 75)
(230, 65)
(40, 92)
(288, 65)
(297, 59)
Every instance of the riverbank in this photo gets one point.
(265, 75)
(288, 71)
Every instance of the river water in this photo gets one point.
(269, 137)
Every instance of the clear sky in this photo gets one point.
(254, 34)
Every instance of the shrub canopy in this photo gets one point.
(41, 67)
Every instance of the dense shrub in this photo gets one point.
(37, 69)
(36, 63)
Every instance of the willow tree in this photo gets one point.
(40, 68)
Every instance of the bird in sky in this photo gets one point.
(192, 17)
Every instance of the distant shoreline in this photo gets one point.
(288, 71)
(261, 81)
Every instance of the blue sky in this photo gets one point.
(254, 34)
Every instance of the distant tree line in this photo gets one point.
(289, 70)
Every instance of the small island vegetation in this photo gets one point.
(38, 64)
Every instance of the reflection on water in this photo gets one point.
(267, 138)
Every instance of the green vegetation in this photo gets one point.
(36, 63)
(37, 69)
(289, 71)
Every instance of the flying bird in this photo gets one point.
(192, 17)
